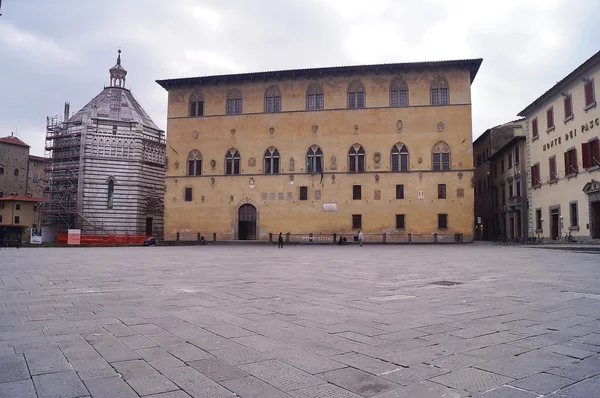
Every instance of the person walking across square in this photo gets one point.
(360, 238)
(280, 241)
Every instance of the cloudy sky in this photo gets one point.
(52, 51)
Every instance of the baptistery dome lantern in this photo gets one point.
(118, 73)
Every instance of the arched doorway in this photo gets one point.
(247, 222)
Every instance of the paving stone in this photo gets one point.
(148, 329)
(281, 375)
(17, 389)
(166, 363)
(361, 338)
(472, 380)
(134, 369)
(583, 389)
(59, 385)
(363, 362)
(196, 384)
(497, 351)
(576, 371)
(110, 387)
(402, 335)
(507, 392)
(47, 362)
(568, 351)
(241, 355)
(119, 330)
(260, 343)
(424, 389)
(153, 384)
(323, 391)
(188, 352)
(413, 374)
(542, 383)
(217, 369)
(456, 362)
(229, 331)
(358, 381)
(251, 387)
(96, 368)
(13, 368)
(305, 360)
(172, 394)
(136, 342)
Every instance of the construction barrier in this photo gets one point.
(103, 239)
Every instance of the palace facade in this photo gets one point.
(563, 130)
(378, 148)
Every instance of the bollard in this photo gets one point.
(177, 236)
(384, 237)
(214, 237)
(409, 238)
(435, 237)
(270, 237)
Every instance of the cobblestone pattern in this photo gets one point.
(255, 321)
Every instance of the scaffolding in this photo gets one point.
(63, 147)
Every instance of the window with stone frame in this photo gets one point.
(534, 129)
(590, 153)
(196, 105)
(194, 162)
(232, 162)
(400, 157)
(399, 191)
(536, 178)
(442, 221)
(356, 95)
(271, 161)
(16, 172)
(589, 94)
(234, 102)
(314, 97)
(188, 194)
(272, 99)
(356, 159)
(571, 167)
(303, 193)
(550, 118)
(441, 191)
(356, 192)
(440, 94)
(356, 221)
(398, 93)
(573, 215)
(111, 193)
(538, 219)
(314, 160)
(441, 156)
(400, 221)
(552, 168)
(517, 155)
(568, 106)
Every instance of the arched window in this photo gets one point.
(232, 162)
(440, 94)
(272, 161)
(356, 159)
(314, 97)
(234, 102)
(441, 156)
(272, 99)
(1, 170)
(196, 107)
(400, 157)
(195, 163)
(111, 193)
(16, 172)
(356, 95)
(314, 160)
(398, 93)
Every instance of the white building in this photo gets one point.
(108, 165)
(563, 156)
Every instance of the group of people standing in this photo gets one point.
(341, 241)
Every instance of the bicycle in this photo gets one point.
(568, 238)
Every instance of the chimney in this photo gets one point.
(66, 115)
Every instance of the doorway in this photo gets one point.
(511, 234)
(518, 231)
(247, 222)
(149, 225)
(596, 220)
(554, 220)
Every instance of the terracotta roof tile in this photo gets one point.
(13, 140)
(20, 198)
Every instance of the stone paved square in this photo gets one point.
(216, 321)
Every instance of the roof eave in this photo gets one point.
(590, 63)
(472, 64)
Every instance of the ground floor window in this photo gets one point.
(442, 221)
(573, 216)
(356, 221)
(400, 221)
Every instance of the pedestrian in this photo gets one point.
(360, 238)
(280, 241)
